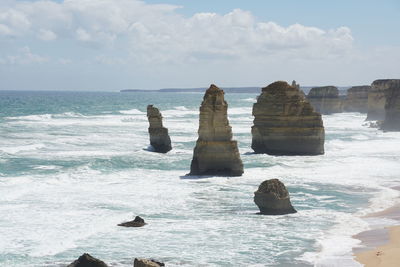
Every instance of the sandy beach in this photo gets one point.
(381, 246)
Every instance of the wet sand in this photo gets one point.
(380, 246)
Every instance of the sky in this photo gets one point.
(109, 45)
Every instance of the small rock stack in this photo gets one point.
(215, 152)
(392, 106)
(357, 99)
(159, 138)
(285, 123)
(272, 198)
(325, 99)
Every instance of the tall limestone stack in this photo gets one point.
(325, 99)
(392, 106)
(285, 123)
(357, 99)
(159, 138)
(377, 98)
(215, 152)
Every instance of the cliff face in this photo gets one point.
(377, 99)
(215, 152)
(392, 106)
(285, 123)
(357, 99)
(159, 138)
(325, 99)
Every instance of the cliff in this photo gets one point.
(215, 152)
(325, 99)
(357, 99)
(159, 138)
(392, 106)
(377, 99)
(285, 123)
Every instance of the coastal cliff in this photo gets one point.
(377, 100)
(215, 152)
(159, 138)
(357, 99)
(285, 123)
(325, 100)
(392, 106)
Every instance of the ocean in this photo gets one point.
(75, 164)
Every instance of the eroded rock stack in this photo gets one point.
(325, 99)
(357, 99)
(86, 260)
(377, 99)
(215, 152)
(147, 263)
(159, 138)
(272, 198)
(285, 123)
(392, 106)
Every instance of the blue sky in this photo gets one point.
(117, 44)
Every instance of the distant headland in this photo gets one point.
(306, 89)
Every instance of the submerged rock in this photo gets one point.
(377, 100)
(215, 152)
(357, 99)
(137, 222)
(325, 99)
(159, 138)
(272, 198)
(87, 260)
(147, 263)
(285, 123)
(392, 106)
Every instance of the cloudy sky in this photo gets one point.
(118, 44)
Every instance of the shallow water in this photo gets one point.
(74, 165)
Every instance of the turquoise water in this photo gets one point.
(73, 165)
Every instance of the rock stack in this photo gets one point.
(147, 263)
(325, 99)
(377, 99)
(392, 106)
(272, 198)
(285, 123)
(215, 152)
(86, 260)
(159, 138)
(357, 99)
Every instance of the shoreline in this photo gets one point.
(380, 246)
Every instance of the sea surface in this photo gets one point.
(74, 164)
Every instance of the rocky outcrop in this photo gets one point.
(159, 138)
(285, 123)
(392, 106)
(147, 263)
(272, 198)
(357, 99)
(325, 99)
(215, 152)
(377, 99)
(87, 260)
(137, 222)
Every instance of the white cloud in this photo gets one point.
(157, 33)
(24, 57)
(46, 35)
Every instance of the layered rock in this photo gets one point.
(159, 138)
(357, 99)
(86, 260)
(377, 99)
(325, 99)
(137, 222)
(392, 106)
(215, 152)
(147, 263)
(272, 198)
(285, 123)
